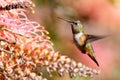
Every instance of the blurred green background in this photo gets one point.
(99, 17)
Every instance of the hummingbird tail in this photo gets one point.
(94, 59)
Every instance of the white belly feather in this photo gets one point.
(78, 38)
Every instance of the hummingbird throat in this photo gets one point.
(80, 27)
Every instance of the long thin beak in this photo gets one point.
(70, 21)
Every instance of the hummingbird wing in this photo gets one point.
(90, 52)
(92, 38)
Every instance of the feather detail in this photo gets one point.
(90, 52)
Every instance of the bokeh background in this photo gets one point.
(99, 17)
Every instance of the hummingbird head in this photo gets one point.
(77, 27)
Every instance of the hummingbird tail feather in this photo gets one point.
(94, 59)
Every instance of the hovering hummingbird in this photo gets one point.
(82, 40)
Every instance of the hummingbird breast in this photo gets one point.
(80, 38)
(80, 41)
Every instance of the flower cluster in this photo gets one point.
(65, 64)
(24, 46)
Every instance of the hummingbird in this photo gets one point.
(82, 40)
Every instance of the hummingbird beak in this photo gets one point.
(70, 21)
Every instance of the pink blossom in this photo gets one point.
(25, 46)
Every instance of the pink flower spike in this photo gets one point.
(25, 46)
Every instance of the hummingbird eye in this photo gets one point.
(76, 22)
